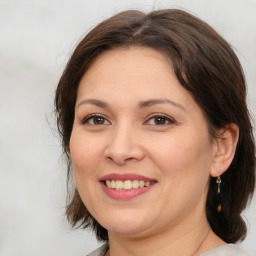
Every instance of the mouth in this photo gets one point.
(126, 186)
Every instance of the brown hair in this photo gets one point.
(207, 67)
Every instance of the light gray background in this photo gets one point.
(36, 39)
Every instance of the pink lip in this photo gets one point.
(125, 194)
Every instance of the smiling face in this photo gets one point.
(140, 146)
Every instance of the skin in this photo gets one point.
(175, 150)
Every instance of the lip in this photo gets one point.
(125, 194)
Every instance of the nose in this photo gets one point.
(124, 146)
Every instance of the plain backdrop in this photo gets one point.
(36, 40)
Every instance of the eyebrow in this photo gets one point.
(141, 104)
(151, 102)
(98, 103)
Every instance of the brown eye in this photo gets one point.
(160, 120)
(98, 120)
(95, 120)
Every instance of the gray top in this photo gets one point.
(100, 251)
(225, 250)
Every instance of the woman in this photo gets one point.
(152, 113)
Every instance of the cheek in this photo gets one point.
(85, 157)
(182, 153)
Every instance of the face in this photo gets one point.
(140, 146)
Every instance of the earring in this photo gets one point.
(218, 181)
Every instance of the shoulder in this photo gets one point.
(226, 250)
(101, 251)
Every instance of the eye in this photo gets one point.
(160, 120)
(95, 120)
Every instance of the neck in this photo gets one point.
(188, 242)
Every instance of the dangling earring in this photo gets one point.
(218, 181)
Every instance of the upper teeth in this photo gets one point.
(127, 184)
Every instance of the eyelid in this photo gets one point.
(168, 118)
(88, 117)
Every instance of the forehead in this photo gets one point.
(130, 75)
(128, 66)
(137, 57)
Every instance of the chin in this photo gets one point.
(125, 225)
(127, 230)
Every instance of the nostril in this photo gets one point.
(129, 159)
(120, 160)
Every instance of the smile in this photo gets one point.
(127, 184)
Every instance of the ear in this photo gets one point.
(224, 149)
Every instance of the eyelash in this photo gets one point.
(166, 118)
(91, 117)
(155, 116)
